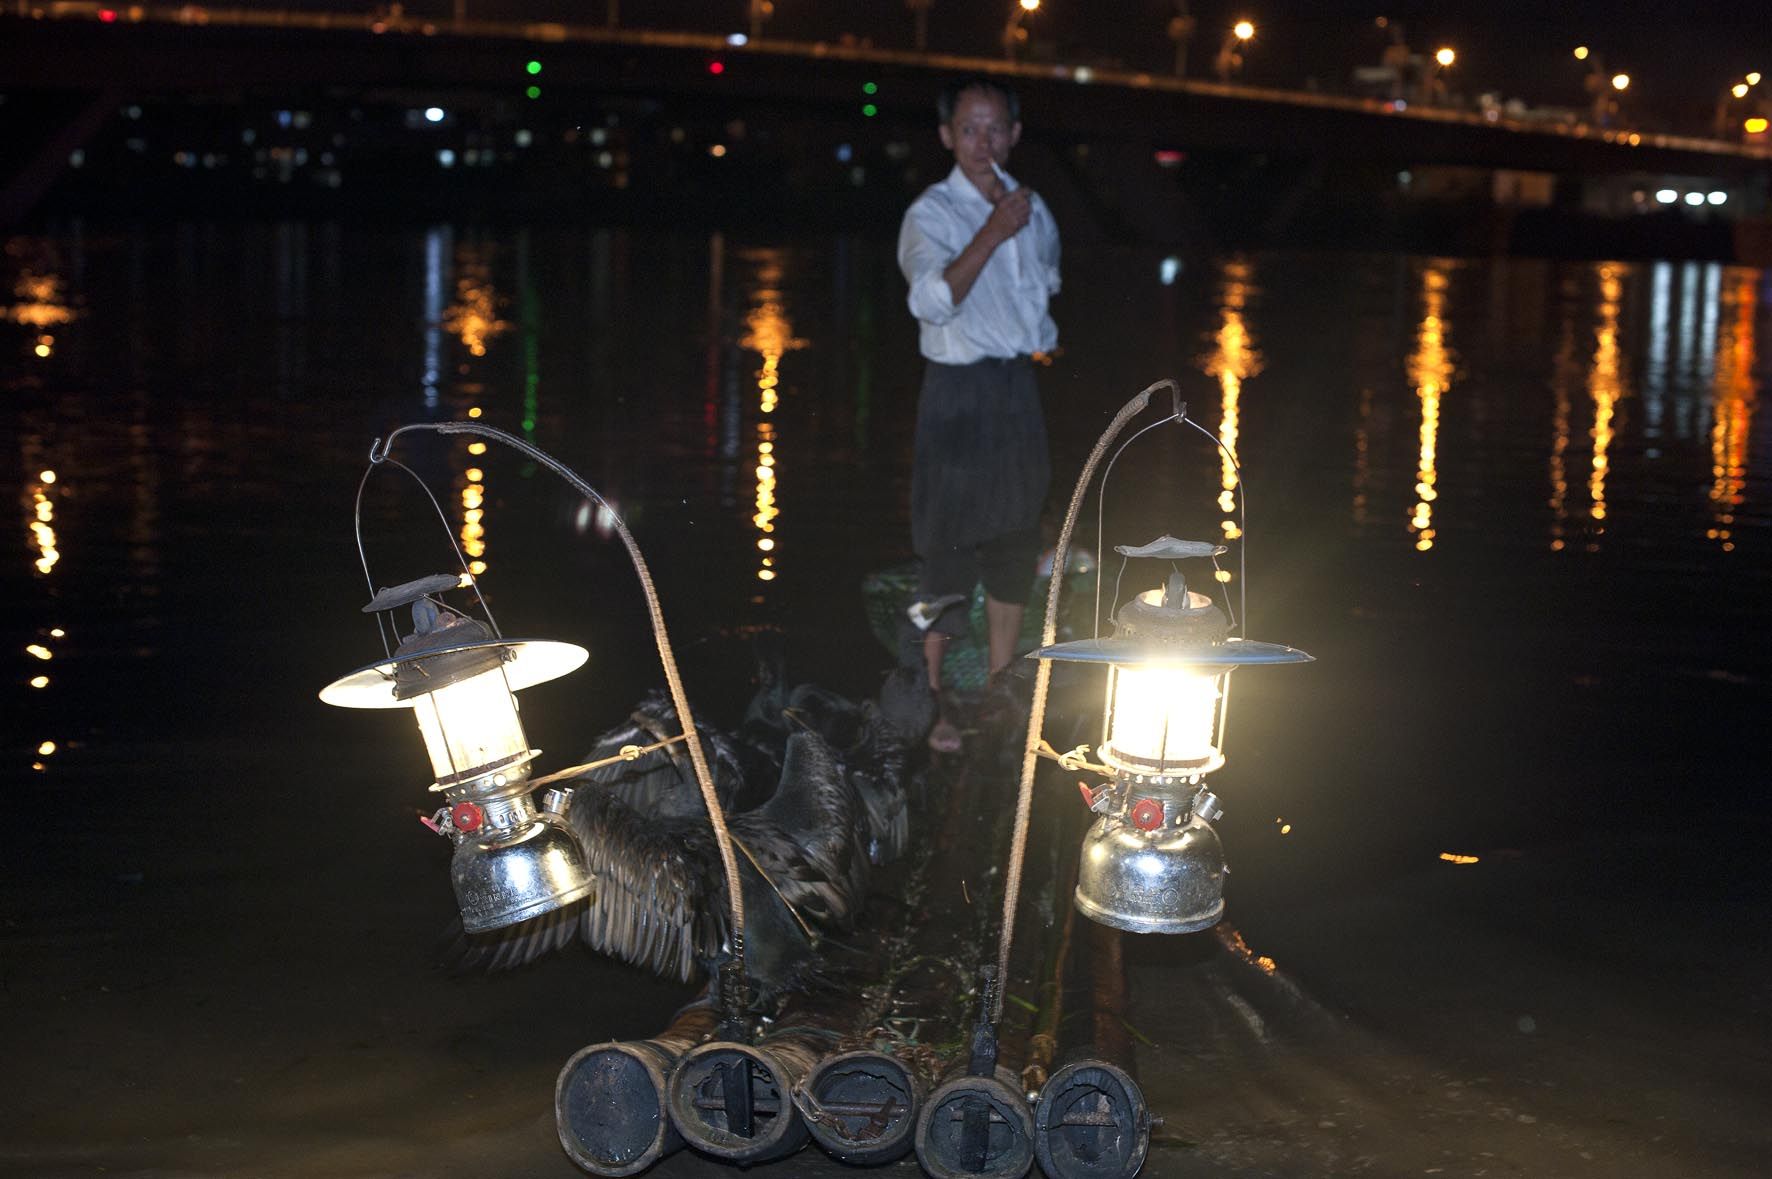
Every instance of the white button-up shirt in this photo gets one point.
(1004, 314)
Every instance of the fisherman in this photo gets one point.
(980, 252)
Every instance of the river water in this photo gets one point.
(1518, 509)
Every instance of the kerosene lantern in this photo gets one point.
(1152, 862)
(513, 859)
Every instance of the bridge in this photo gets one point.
(191, 51)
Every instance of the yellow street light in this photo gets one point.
(1014, 36)
(1753, 79)
(1739, 90)
(1620, 81)
(1581, 53)
(1445, 56)
(1754, 126)
(1243, 29)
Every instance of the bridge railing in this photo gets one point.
(383, 20)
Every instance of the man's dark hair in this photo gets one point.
(949, 99)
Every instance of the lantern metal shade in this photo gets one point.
(463, 697)
(1230, 654)
(526, 662)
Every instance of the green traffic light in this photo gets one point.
(869, 88)
(870, 110)
(533, 67)
(533, 92)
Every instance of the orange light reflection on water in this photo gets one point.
(473, 317)
(1606, 384)
(1233, 360)
(41, 304)
(41, 523)
(1734, 394)
(1430, 368)
(473, 509)
(770, 334)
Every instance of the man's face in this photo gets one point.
(980, 134)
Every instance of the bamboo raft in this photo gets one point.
(887, 1060)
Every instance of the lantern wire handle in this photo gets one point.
(1240, 615)
(1043, 675)
(363, 555)
(378, 453)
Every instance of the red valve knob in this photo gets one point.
(466, 816)
(1147, 814)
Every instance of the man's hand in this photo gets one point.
(1009, 213)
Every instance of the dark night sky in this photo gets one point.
(1681, 56)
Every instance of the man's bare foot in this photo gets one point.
(944, 737)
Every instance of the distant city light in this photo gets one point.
(1666, 196)
(1169, 270)
(845, 153)
(717, 150)
(1620, 81)
(737, 40)
(1445, 56)
(1581, 53)
(1083, 74)
(716, 67)
(1695, 198)
(435, 114)
(1243, 30)
(1716, 198)
(446, 157)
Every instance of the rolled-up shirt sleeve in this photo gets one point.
(923, 258)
